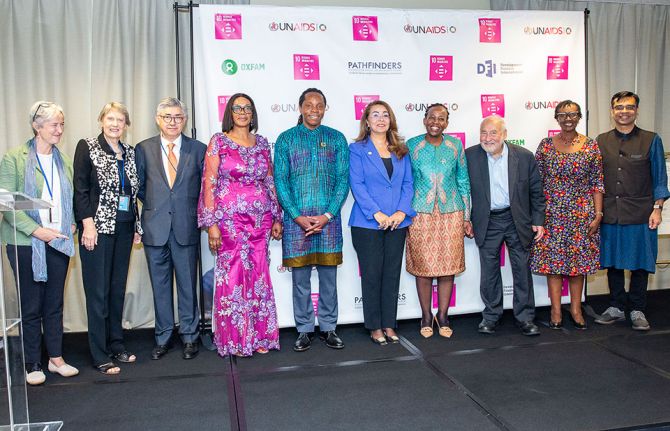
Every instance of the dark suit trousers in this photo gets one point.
(104, 272)
(165, 263)
(380, 259)
(41, 302)
(501, 229)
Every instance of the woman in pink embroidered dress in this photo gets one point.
(238, 205)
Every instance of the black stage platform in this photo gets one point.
(602, 378)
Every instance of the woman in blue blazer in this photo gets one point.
(381, 182)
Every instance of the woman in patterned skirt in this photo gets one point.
(442, 202)
(571, 168)
(238, 206)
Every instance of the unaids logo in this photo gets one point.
(547, 31)
(429, 29)
(541, 104)
(284, 107)
(296, 26)
(422, 106)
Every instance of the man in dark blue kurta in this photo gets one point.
(635, 190)
(312, 180)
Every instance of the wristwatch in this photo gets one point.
(658, 207)
(329, 216)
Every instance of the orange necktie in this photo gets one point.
(172, 164)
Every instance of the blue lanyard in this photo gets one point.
(122, 174)
(44, 175)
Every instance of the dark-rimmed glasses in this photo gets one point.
(178, 119)
(570, 115)
(239, 108)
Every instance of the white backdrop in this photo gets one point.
(518, 64)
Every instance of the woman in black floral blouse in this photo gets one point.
(105, 206)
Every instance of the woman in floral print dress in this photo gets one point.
(238, 205)
(571, 168)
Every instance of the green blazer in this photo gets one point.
(12, 178)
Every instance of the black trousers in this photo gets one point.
(380, 258)
(104, 272)
(501, 229)
(41, 301)
(636, 299)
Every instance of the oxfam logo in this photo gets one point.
(229, 67)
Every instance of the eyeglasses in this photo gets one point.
(380, 115)
(178, 119)
(570, 115)
(40, 106)
(239, 108)
(626, 107)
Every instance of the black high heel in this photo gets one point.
(577, 325)
(555, 325)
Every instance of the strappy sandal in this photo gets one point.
(262, 350)
(427, 331)
(106, 367)
(125, 357)
(444, 331)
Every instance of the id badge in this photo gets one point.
(54, 215)
(124, 203)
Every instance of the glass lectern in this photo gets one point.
(14, 402)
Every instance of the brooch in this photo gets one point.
(323, 144)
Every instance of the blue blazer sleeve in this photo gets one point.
(359, 185)
(407, 189)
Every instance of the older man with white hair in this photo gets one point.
(507, 207)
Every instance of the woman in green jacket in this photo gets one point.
(40, 252)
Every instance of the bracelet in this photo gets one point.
(329, 216)
(600, 213)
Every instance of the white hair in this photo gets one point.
(41, 111)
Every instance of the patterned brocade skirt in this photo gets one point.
(435, 244)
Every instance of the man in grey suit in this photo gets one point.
(507, 207)
(170, 170)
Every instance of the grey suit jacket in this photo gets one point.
(525, 188)
(165, 209)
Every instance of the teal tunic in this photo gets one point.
(311, 177)
(440, 175)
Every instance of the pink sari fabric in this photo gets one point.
(238, 195)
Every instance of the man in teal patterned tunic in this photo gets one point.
(312, 180)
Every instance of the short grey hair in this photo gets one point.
(495, 118)
(41, 111)
(171, 102)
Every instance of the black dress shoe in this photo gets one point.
(303, 342)
(529, 328)
(331, 339)
(159, 351)
(190, 350)
(486, 327)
